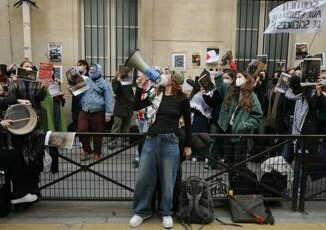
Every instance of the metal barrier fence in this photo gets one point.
(249, 158)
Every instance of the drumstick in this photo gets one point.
(23, 119)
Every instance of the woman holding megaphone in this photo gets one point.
(160, 155)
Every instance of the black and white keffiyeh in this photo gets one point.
(198, 103)
(300, 112)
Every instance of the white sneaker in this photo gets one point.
(167, 222)
(28, 198)
(136, 220)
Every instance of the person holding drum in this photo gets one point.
(34, 92)
(13, 164)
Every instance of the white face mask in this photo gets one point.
(81, 69)
(227, 81)
(240, 81)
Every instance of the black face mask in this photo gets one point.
(274, 80)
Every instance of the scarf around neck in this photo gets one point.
(198, 103)
(300, 111)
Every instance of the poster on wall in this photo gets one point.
(58, 77)
(212, 55)
(179, 61)
(55, 52)
(196, 60)
(301, 51)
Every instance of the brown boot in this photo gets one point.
(97, 157)
(84, 156)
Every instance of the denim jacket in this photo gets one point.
(98, 98)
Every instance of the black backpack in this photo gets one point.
(5, 205)
(275, 180)
(243, 181)
(196, 204)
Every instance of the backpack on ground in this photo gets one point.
(196, 205)
(275, 180)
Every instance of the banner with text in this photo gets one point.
(302, 16)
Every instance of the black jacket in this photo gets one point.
(124, 95)
(6, 101)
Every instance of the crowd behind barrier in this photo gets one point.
(253, 132)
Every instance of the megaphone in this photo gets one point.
(136, 61)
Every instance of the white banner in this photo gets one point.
(302, 16)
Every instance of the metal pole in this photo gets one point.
(304, 176)
(296, 179)
(239, 31)
(27, 31)
(245, 36)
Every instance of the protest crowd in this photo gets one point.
(222, 102)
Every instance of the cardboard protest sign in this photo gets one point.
(45, 72)
(310, 71)
(283, 83)
(77, 84)
(26, 75)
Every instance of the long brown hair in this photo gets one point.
(234, 91)
(176, 90)
(25, 61)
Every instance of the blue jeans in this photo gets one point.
(143, 128)
(142, 125)
(159, 159)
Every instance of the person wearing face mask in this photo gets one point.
(161, 154)
(216, 152)
(240, 113)
(228, 76)
(97, 108)
(83, 69)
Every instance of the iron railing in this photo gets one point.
(114, 176)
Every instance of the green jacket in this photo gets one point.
(244, 122)
(48, 116)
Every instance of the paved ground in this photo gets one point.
(64, 215)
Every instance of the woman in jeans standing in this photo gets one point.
(161, 154)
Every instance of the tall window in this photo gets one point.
(110, 32)
(252, 20)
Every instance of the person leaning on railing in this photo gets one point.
(161, 154)
(240, 113)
